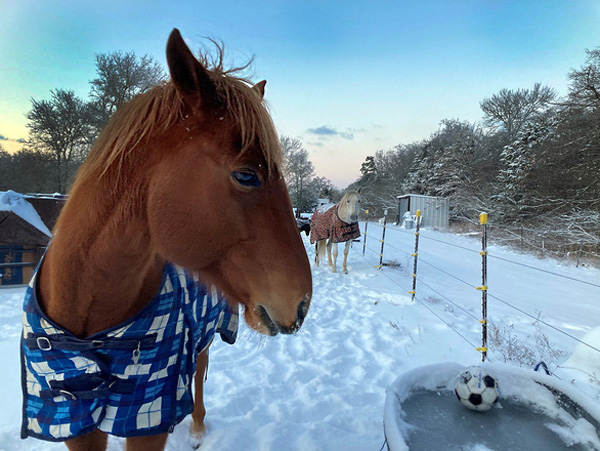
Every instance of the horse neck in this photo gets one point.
(100, 268)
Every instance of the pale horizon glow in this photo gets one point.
(347, 78)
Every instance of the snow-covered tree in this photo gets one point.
(518, 196)
(510, 109)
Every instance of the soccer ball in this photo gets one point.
(477, 389)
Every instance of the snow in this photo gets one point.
(585, 358)
(325, 387)
(17, 203)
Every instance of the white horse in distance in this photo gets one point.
(336, 224)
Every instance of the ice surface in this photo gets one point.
(535, 412)
(441, 422)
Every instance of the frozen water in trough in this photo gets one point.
(439, 418)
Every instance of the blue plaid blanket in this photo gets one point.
(133, 379)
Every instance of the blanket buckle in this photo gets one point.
(68, 394)
(135, 355)
(44, 343)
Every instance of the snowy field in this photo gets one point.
(324, 388)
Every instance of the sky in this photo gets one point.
(347, 78)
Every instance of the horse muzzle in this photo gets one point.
(274, 327)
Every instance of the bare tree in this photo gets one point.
(121, 76)
(585, 82)
(321, 187)
(510, 109)
(289, 146)
(298, 171)
(62, 126)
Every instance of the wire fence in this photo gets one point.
(574, 237)
(391, 252)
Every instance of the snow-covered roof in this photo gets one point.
(17, 204)
(417, 195)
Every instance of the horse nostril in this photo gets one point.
(267, 321)
(302, 311)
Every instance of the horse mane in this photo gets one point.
(161, 107)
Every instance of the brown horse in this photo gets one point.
(187, 173)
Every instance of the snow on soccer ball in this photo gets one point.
(477, 389)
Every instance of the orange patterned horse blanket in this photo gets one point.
(328, 225)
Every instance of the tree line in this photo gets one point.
(533, 163)
(62, 131)
(63, 128)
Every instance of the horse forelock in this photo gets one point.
(160, 108)
(247, 108)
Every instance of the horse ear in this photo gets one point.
(190, 78)
(358, 190)
(260, 88)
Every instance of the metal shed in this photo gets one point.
(435, 211)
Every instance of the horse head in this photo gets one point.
(349, 206)
(217, 202)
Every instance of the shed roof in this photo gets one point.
(418, 195)
(27, 220)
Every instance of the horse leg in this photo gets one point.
(198, 428)
(93, 441)
(317, 250)
(147, 442)
(346, 249)
(335, 256)
(329, 244)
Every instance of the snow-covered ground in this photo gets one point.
(324, 388)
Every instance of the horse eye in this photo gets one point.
(246, 177)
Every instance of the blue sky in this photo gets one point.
(346, 77)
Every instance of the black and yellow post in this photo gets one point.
(483, 220)
(382, 240)
(365, 232)
(413, 292)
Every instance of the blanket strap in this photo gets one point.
(88, 386)
(68, 343)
